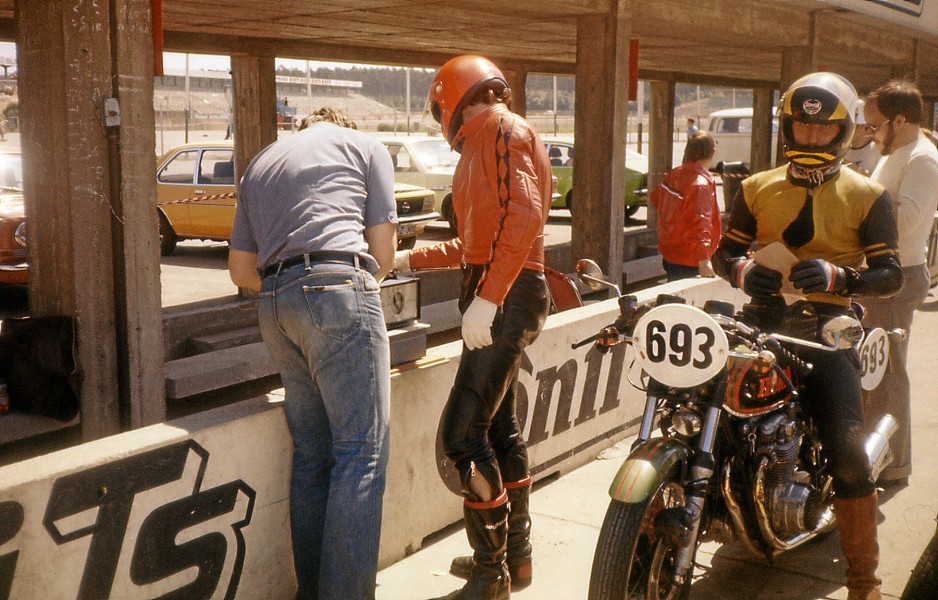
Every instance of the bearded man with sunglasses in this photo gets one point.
(909, 172)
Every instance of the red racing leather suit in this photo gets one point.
(501, 198)
(688, 215)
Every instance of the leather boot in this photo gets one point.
(856, 521)
(487, 530)
(519, 561)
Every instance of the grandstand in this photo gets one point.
(210, 106)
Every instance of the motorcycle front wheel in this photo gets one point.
(631, 562)
(923, 582)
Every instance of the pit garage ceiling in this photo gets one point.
(731, 42)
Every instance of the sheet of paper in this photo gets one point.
(777, 256)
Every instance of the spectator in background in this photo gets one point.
(909, 172)
(863, 155)
(691, 127)
(316, 217)
(688, 214)
(4, 130)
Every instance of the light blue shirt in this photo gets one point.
(318, 189)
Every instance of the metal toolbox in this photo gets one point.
(400, 301)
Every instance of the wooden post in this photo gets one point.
(602, 71)
(64, 73)
(136, 227)
(760, 157)
(254, 87)
(929, 117)
(795, 63)
(517, 81)
(660, 137)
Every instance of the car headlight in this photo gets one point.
(20, 234)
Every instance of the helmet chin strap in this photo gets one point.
(812, 177)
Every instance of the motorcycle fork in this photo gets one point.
(648, 420)
(700, 472)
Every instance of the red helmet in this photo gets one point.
(455, 84)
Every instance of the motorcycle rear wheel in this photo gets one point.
(631, 562)
(923, 582)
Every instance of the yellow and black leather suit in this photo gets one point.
(846, 220)
(843, 220)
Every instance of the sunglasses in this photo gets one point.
(872, 130)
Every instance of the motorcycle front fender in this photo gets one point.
(646, 467)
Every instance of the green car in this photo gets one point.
(560, 153)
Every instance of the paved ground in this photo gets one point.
(568, 513)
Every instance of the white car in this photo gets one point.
(425, 161)
(732, 131)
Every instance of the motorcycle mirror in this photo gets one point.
(842, 332)
(591, 275)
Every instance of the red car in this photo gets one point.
(12, 221)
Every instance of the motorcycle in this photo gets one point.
(736, 455)
(923, 582)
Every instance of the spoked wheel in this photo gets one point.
(923, 583)
(631, 561)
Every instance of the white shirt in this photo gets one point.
(910, 175)
(865, 158)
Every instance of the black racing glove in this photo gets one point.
(818, 275)
(754, 279)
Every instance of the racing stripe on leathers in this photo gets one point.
(503, 179)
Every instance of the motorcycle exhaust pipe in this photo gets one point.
(877, 445)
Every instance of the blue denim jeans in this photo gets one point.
(325, 331)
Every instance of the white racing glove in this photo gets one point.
(401, 261)
(477, 323)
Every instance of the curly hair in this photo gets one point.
(327, 115)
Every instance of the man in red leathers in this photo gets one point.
(501, 197)
(688, 214)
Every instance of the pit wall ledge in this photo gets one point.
(199, 506)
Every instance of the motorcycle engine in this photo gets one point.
(790, 499)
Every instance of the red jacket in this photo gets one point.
(688, 215)
(501, 196)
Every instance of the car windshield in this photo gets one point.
(435, 154)
(11, 172)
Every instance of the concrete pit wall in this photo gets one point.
(199, 506)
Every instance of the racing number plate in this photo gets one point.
(874, 354)
(680, 345)
(406, 229)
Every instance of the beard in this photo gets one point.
(889, 140)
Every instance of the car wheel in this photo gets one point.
(168, 237)
(407, 243)
(569, 201)
(449, 214)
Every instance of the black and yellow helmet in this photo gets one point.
(819, 98)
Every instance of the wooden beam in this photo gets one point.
(600, 132)
(760, 153)
(136, 229)
(64, 74)
(254, 88)
(660, 137)
(517, 81)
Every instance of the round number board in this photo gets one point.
(680, 345)
(874, 355)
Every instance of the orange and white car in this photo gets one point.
(195, 192)
(12, 221)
